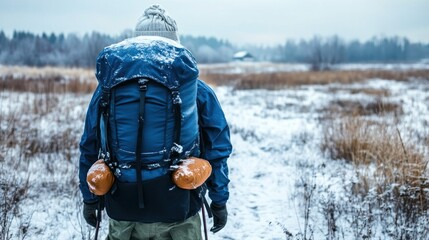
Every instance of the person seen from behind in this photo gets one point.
(162, 210)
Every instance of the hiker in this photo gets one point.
(126, 120)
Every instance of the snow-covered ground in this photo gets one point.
(276, 160)
(276, 136)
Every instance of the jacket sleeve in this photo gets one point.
(89, 146)
(215, 143)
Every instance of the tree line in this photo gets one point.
(72, 50)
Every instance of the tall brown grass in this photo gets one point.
(39, 140)
(362, 142)
(47, 80)
(280, 80)
(376, 106)
(391, 172)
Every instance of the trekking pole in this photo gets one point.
(96, 230)
(97, 226)
(204, 223)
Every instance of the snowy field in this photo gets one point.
(281, 180)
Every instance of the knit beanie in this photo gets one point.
(156, 22)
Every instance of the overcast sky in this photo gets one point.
(266, 22)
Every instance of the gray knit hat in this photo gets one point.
(156, 22)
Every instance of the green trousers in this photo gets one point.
(184, 230)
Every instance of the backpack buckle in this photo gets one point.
(143, 84)
(176, 97)
(177, 148)
(104, 100)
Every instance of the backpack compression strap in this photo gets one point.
(176, 149)
(142, 88)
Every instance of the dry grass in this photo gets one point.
(279, 80)
(395, 169)
(38, 143)
(12, 191)
(373, 92)
(390, 164)
(47, 80)
(363, 142)
(375, 106)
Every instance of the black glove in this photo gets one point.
(220, 215)
(89, 213)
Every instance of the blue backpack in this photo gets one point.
(148, 122)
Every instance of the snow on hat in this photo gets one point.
(156, 22)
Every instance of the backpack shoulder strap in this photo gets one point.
(104, 152)
(103, 121)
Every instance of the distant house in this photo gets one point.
(243, 56)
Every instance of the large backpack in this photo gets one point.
(148, 122)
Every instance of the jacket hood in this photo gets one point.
(162, 60)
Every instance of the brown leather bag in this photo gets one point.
(192, 173)
(100, 178)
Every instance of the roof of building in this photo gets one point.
(242, 54)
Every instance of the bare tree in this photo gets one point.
(324, 54)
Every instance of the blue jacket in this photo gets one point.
(215, 144)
